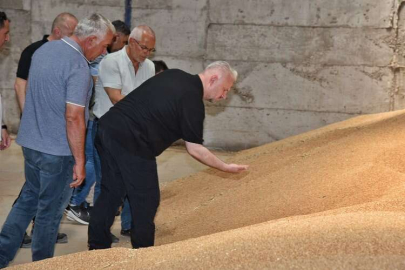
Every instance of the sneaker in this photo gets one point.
(26, 243)
(62, 238)
(126, 232)
(78, 214)
(114, 238)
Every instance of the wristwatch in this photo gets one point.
(4, 127)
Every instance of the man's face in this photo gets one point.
(141, 49)
(219, 87)
(119, 42)
(4, 33)
(94, 48)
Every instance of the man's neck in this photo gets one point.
(204, 83)
(52, 37)
(134, 62)
(79, 42)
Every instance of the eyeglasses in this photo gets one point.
(144, 48)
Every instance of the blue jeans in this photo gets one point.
(80, 193)
(126, 218)
(45, 194)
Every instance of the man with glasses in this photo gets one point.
(119, 74)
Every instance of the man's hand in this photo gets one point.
(205, 156)
(236, 168)
(79, 174)
(6, 139)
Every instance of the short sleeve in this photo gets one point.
(78, 85)
(109, 73)
(192, 118)
(24, 64)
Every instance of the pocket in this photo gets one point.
(51, 165)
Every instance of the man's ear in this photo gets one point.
(56, 32)
(213, 79)
(92, 41)
(131, 42)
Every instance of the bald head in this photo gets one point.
(63, 25)
(141, 44)
(218, 79)
(141, 30)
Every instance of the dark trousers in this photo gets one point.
(124, 174)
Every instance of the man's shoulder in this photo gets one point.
(149, 64)
(30, 49)
(115, 56)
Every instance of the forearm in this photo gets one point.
(76, 134)
(117, 97)
(205, 156)
(20, 90)
(114, 94)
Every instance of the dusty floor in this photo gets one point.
(172, 164)
(333, 198)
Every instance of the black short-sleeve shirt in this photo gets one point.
(26, 56)
(165, 108)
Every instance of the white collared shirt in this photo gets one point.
(117, 71)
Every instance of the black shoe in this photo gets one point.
(26, 243)
(78, 214)
(114, 238)
(126, 232)
(62, 238)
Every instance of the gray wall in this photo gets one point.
(302, 64)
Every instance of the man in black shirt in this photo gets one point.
(165, 108)
(63, 25)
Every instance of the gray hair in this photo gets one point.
(138, 31)
(96, 25)
(224, 67)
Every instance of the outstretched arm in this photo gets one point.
(205, 156)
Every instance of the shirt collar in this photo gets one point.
(45, 38)
(74, 44)
(126, 57)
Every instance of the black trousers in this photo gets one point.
(124, 174)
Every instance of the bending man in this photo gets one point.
(167, 107)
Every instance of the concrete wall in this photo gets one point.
(302, 64)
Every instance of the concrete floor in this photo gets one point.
(174, 163)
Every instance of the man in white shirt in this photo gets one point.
(121, 73)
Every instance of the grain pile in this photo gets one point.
(329, 198)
